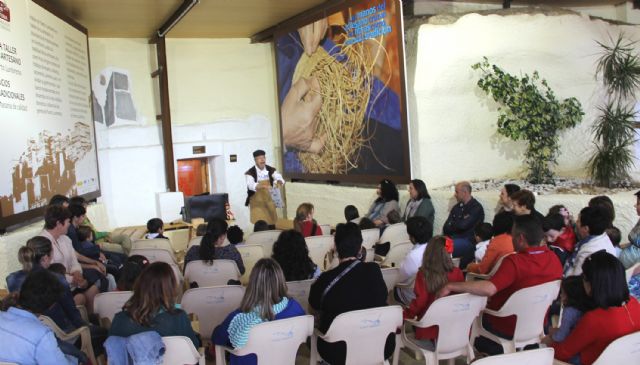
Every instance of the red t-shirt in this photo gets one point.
(423, 300)
(306, 227)
(533, 266)
(596, 330)
(567, 240)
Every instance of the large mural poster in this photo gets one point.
(342, 95)
(47, 139)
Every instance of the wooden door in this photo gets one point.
(193, 176)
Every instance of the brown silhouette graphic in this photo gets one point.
(46, 168)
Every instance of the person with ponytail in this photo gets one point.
(36, 256)
(437, 270)
(214, 246)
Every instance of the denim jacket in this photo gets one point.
(144, 348)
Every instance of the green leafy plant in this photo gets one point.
(614, 129)
(530, 111)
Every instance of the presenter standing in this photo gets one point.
(261, 178)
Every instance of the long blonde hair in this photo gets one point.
(266, 287)
(436, 264)
(302, 213)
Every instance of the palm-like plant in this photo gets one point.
(614, 129)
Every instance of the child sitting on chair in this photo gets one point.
(155, 227)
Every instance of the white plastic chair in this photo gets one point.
(530, 306)
(625, 350)
(471, 276)
(318, 247)
(212, 305)
(180, 350)
(299, 290)
(153, 243)
(454, 316)
(250, 255)
(194, 242)
(71, 337)
(215, 274)
(394, 233)
(178, 238)
(325, 228)
(371, 254)
(106, 305)
(390, 276)
(529, 357)
(274, 342)
(370, 237)
(397, 254)
(365, 333)
(264, 238)
(155, 254)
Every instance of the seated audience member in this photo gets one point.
(505, 204)
(532, 264)
(235, 235)
(264, 300)
(366, 223)
(436, 271)
(202, 229)
(25, 340)
(131, 270)
(524, 203)
(482, 235)
(420, 232)
(304, 222)
(351, 214)
(212, 246)
(152, 307)
(574, 303)
(630, 255)
(567, 239)
(291, 252)
(56, 224)
(261, 225)
(614, 313)
(119, 243)
(353, 285)
(111, 260)
(155, 228)
(59, 200)
(615, 236)
(394, 217)
(591, 225)
(555, 235)
(606, 204)
(419, 203)
(500, 245)
(463, 218)
(386, 202)
(36, 256)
